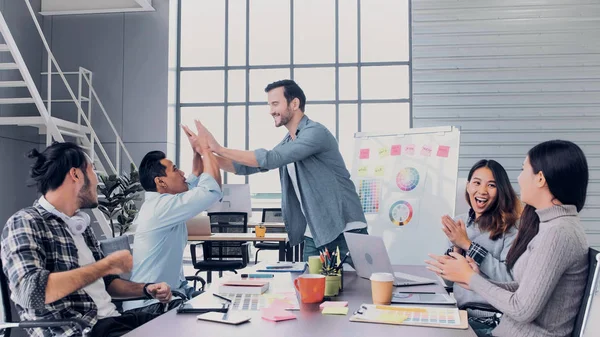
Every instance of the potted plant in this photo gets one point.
(119, 194)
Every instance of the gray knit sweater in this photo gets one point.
(550, 279)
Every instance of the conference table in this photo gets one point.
(309, 323)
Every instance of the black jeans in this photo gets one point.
(131, 319)
(310, 249)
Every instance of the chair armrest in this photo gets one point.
(193, 251)
(479, 306)
(245, 257)
(80, 324)
(196, 278)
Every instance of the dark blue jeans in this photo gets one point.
(311, 250)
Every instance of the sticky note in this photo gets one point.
(337, 304)
(410, 149)
(276, 315)
(426, 151)
(380, 171)
(396, 150)
(364, 154)
(443, 151)
(362, 171)
(335, 311)
(384, 152)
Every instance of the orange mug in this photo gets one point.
(311, 287)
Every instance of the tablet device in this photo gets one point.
(200, 308)
(416, 298)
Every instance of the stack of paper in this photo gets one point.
(277, 311)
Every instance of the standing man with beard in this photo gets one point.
(319, 201)
(51, 258)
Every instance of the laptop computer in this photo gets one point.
(370, 256)
(199, 226)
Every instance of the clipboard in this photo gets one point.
(360, 317)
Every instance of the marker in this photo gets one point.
(257, 275)
(222, 297)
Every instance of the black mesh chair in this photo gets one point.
(223, 255)
(6, 325)
(270, 215)
(591, 288)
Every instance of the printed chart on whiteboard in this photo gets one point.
(406, 182)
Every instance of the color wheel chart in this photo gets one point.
(407, 179)
(401, 212)
(369, 192)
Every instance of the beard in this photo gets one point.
(86, 196)
(284, 119)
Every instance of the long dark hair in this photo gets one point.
(504, 211)
(566, 171)
(52, 165)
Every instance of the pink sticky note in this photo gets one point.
(364, 154)
(410, 149)
(443, 151)
(337, 304)
(426, 151)
(396, 150)
(277, 315)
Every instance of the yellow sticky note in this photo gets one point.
(362, 171)
(384, 152)
(335, 311)
(380, 171)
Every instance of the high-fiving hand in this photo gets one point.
(212, 143)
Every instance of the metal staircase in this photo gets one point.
(55, 129)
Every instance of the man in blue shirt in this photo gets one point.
(319, 201)
(170, 200)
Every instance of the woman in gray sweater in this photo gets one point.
(549, 256)
(484, 236)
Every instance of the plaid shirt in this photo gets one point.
(36, 243)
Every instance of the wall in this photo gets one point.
(15, 142)
(128, 54)
(511, 74)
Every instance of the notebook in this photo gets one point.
(244, 287)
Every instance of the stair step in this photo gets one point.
(71, 134)
(20, 100)
(8, 66)
(3, 47)
(12, 84)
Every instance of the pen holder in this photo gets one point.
(332, 285)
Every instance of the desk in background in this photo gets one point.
(309, 322)
(281, 238)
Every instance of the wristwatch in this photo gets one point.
(146, 293)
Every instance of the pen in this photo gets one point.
(257, 275)
(343, 260)
(417, 292)
(222, 297)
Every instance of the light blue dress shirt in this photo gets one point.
(161, 234)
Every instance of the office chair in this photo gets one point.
(591, 289)
(223, 255)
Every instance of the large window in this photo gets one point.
(351, 58)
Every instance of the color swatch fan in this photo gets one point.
(407, 179)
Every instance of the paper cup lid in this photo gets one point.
(382, 277)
